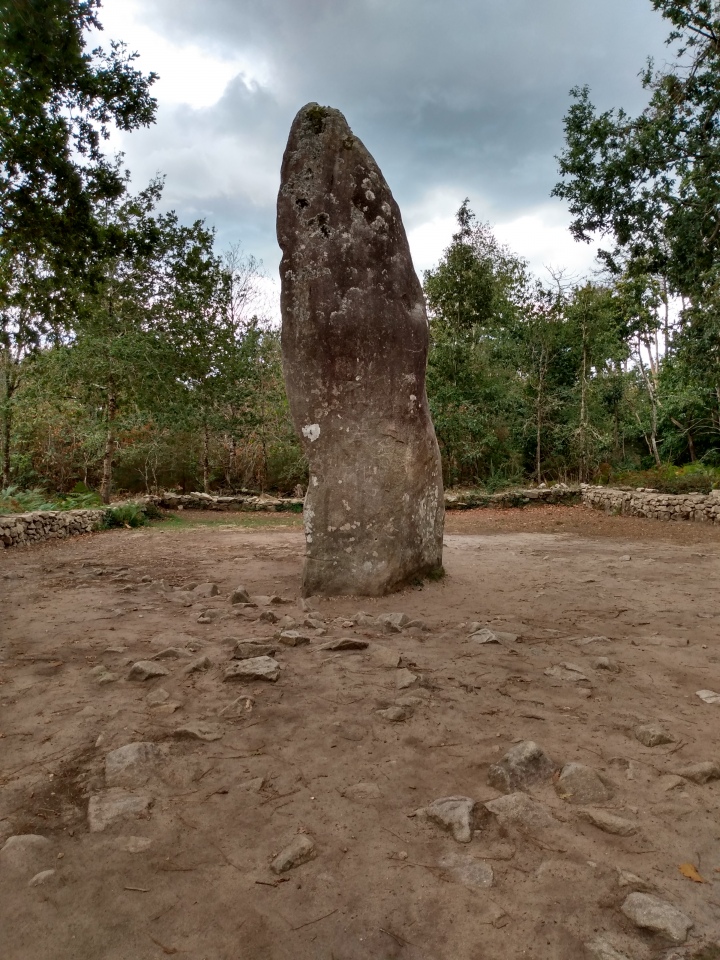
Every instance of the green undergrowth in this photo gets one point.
(693, 478)
(15, 500)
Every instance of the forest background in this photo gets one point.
(135, 356)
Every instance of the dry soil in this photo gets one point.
(191, 876)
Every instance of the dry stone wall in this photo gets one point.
(17, 529)
(697, 507)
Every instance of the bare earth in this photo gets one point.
(192, 876)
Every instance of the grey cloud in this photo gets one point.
(464, 97)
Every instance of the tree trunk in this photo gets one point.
(106, 484)
(9, 389)
(206, 458)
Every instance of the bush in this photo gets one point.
(125, 515)
(693, 478)
(15, 500)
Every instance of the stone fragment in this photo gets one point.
(485, 636)
(602, 949)
(256, 668)
(567, 671)
(199, 730)
(297, 852)
(239, 595)
(355, 341)
(651, 735)
(363, 791)
(455, 814)
(605, 663)
(395, 713)
(364, 620)
(293, 638)
(206, 590)
(240, 707)
(208, 616)
(41, 878)
(654, 914)
(107, 808)
(468, 870)
(708, 696)
(131, 765)
(198, 666)
(627, 879)
(702, 772)
(146, 670)
(385, 656)
(345, 643)
(170, 653)
(312, 624)
(24, 854)
(405, 678)
(608, 822)
(523, 765)
(247, 649)
(157, 696)
(520, 809)
(580, 784)
(268, 616)
(395, 619)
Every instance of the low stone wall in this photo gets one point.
(472, 499)
(239, 502)
(697, 507)
(17, 529)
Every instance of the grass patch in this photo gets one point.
(242, 521)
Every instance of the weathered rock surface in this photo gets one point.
(256, 668)
(523, 765)
(467, 870)
(702, 772)
(146, 670)
(25, 854)
(609, 823)
(602, 949)
(131, 765)
(355, 341)
(654, 914)
(108, 808)
(580, 784)
(299, 851)
(520, 809)
(651, 735)
(345, 643)
(247, 649)
(454, 814)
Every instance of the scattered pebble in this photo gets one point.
(651, 735)
(24, 854)
(654, 914)
(199, 730)
(580, 784)
(467, 870)
(608, 822)
(345, 643)
(299, 851)
(455, 814)
(702, 772)
(519, 808)
(146, 670)
(40, 878)
(523, 765)
(256, 668)
(107, 808)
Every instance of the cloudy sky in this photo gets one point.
(454, 98)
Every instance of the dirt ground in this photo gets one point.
(310, 754)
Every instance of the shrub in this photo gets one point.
(125, 515)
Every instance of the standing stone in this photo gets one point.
(354, 343)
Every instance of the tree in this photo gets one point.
(652, 182)
(473, 295)
(57, 103)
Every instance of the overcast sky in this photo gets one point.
(454, 98)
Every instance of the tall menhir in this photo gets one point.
(355, 343)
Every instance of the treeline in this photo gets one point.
(134, 356)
